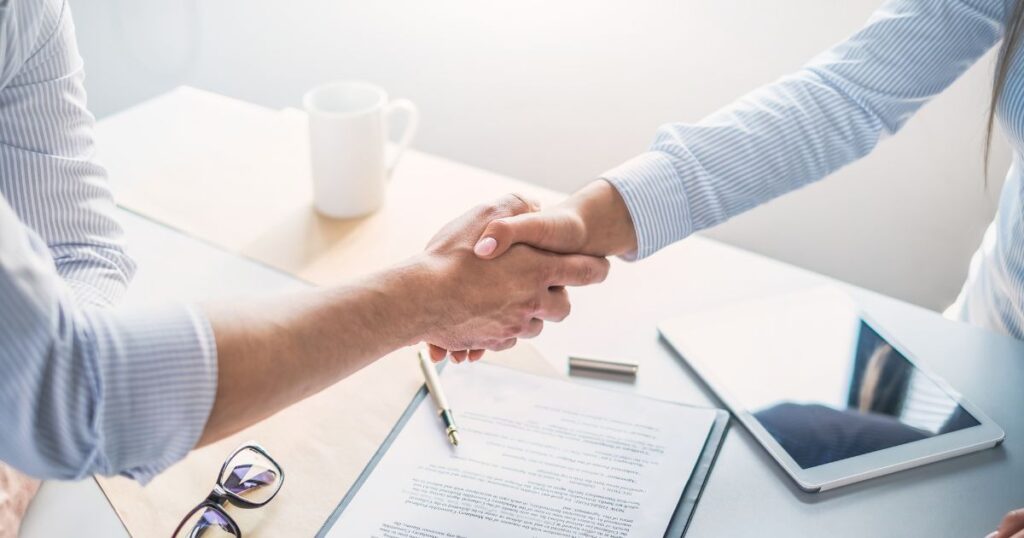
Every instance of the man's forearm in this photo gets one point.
(170, 375)
(274, 354)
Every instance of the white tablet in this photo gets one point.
(830, 395)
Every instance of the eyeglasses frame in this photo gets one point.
(219, 495)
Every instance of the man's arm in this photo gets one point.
(290, 348)
(48, 172)
(87, 390)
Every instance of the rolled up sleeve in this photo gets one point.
(87, 390)
(49, 170)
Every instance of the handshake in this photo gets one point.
(498, 272)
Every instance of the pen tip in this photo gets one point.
(454, 438)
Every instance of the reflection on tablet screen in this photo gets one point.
(888, 402)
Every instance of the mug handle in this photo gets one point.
(412, 120)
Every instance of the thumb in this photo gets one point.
(500, 234)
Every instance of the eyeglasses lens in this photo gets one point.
(251, 476)
(207, 522)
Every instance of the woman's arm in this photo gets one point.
(784, 135)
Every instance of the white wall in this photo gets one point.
(557, 92)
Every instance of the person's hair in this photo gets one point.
(1011, 36)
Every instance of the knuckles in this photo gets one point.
(506, 206)
(532, 306)
(513, 330)
(520, 203)
(498, 228)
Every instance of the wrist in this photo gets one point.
(607, 225)
(410, 297)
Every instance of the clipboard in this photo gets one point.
(677, 524)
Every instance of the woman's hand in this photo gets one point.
(1012, 525)
(488, 304)
(16, 492)
(594, 221)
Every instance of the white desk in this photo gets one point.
(172, 266)
(746, 494)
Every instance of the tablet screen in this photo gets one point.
(824, 383)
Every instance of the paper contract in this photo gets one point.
(539, 457)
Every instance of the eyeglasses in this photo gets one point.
(249, 478)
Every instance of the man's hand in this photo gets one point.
(594, 221)
(16, 492)
(488, 304)
(1012, 525)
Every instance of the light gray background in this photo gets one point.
(557, 92)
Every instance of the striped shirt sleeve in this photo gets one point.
(85, 387)
(48, 167)
(87, 390)
(804, 126)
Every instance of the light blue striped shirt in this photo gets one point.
(85, 386)
(805, 126)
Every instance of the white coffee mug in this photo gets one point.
(348, 139)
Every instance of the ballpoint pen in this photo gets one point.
(437, 394)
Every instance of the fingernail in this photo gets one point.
(485, 246)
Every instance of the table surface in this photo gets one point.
(746, 494)
(172, 266)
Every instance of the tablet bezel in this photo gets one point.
(857, 468)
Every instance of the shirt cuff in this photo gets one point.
(158, 377)
(657, 202)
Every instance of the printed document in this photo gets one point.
(538, 457)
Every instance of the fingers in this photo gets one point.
(512, 204)
(557, 230)
(577, 270)
(1012, 524)
(499, 235)
(533, 328)
(437, 354)
(529, 203)
(555, 306)
(471, 355)
(506, 344)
